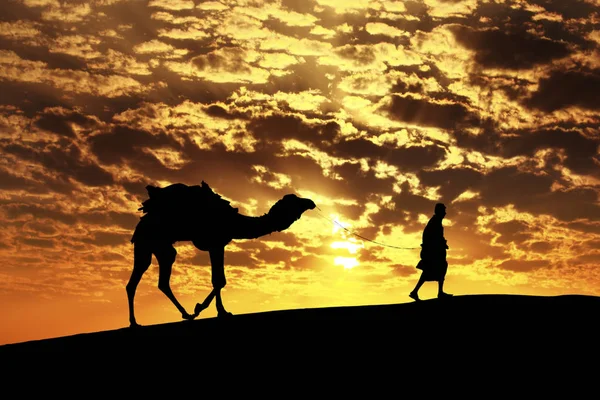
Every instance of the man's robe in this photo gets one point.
(433, 251)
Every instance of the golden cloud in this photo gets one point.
(318, 30)
(380, 28)
(309, 100)
(444, 9)
(189, 33)
(394, 6)
(349, 6)
(76, 45)
(212, 6)
(68, 13)
(358, 58)
(157, 47)
(275, 180)
(19, 30)
(17, 69)
(268, 10)
(174, 5)
(41, 3)
(120, 63)
(295, 46)
(278, 60)
(440, 46)
(223, 65)
(192, 121)
(13, 124)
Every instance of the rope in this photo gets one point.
(362, 237)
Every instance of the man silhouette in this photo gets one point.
(433, 254)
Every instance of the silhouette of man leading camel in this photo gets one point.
(433, 254)
(180, 212)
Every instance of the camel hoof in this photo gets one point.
(224, 314)
(189, 317)
(134, 325)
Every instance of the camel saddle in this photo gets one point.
(181, 198)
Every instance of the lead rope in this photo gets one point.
(320, 213)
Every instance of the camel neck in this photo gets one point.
(246, 227)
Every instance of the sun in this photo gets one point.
(346, 262)
(349, 243)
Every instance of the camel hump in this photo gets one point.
(152, 191)
(180, 197)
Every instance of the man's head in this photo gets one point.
(440, 210)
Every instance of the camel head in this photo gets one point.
(288, 210)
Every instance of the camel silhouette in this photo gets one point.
(195, 213)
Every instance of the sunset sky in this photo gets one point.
(375, 110)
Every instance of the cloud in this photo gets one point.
(364, 58)
(64, 121)
(122, 144)
(380, 28)
(350, 6)
(580, 150)
(174, 5)
(540, 247)
(294, 46)
(511, 231)
(40, 3)
(289, 18)
(403, 270)
(67, 162)
(75, 45)
(406, 158)
(523, 265)
(510, 50)
(101, 238)
(422, 112)
(575, 10)
(17, 69)
(121, 64)
(561, 89)
(223, 65)
(62, 12)
(19, 30)
(158, 47)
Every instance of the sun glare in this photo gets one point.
(346, 262)
(350, 244)
(338, 225)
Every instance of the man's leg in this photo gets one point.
(415, 293)
(444, 269)
(441, 289)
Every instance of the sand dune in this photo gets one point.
(493, 315)
(485, 333)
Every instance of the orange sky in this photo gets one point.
(376, 110)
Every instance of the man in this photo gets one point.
(433, 254)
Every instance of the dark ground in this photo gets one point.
(538, 341)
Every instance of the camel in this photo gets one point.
(200, 216)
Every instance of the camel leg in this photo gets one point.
(204, 305)
(222, 312)
(142, 258)
(166, 258)
(218, 281)
(217, 261)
